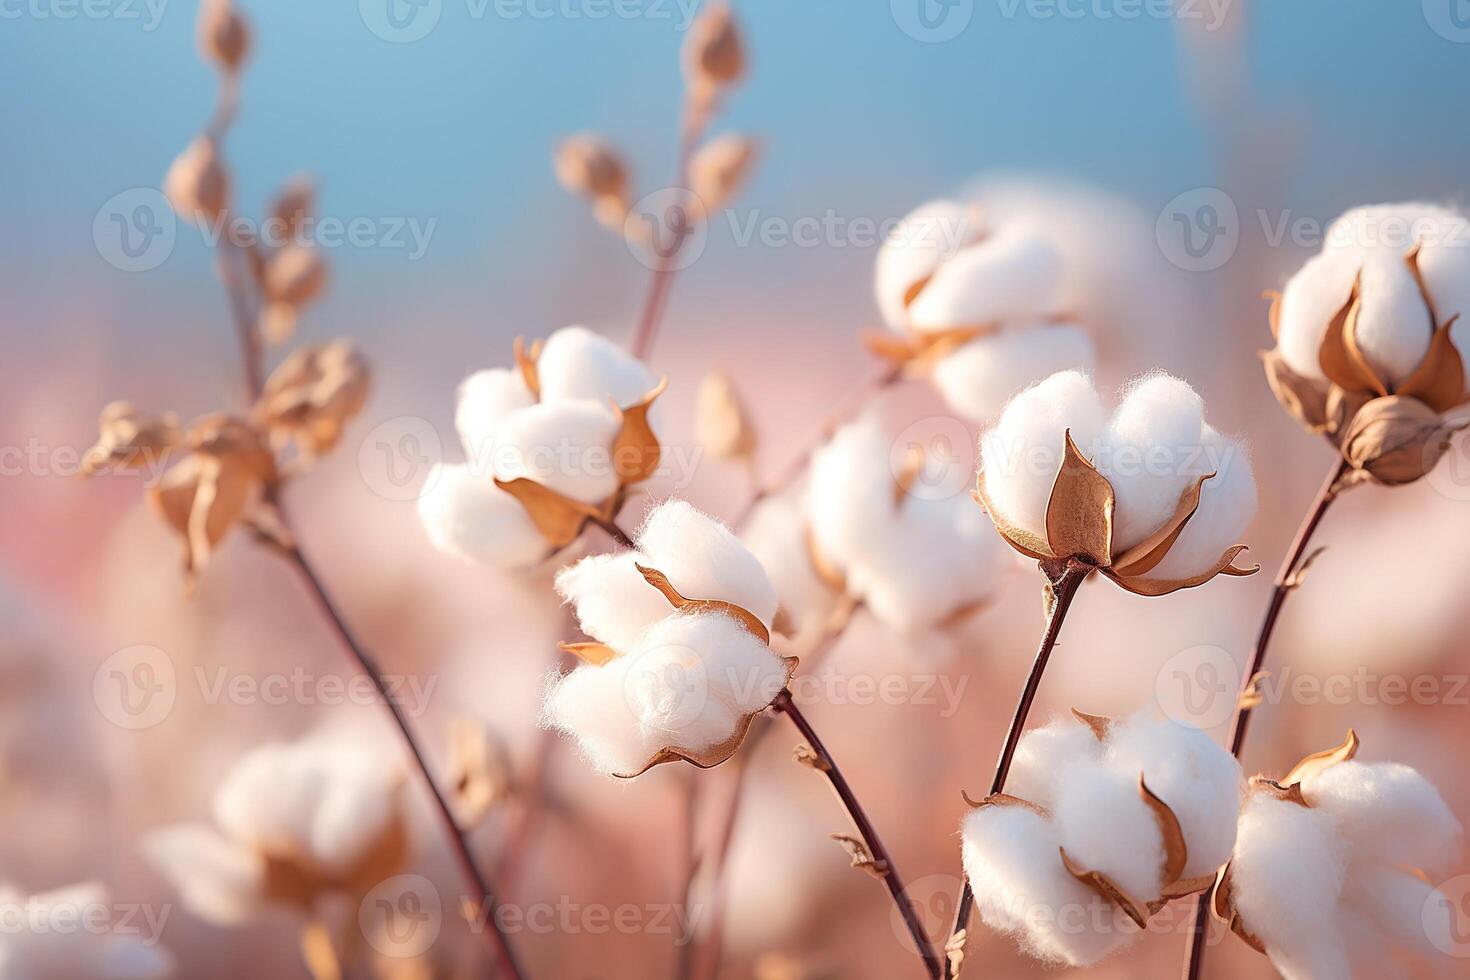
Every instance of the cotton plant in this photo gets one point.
(552, 444)
(978, 306)
(54, 936)
(1102, 824)
(1332, 870)
(1370, 338)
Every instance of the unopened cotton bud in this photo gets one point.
(720, 168)
(720, 422)
(1395, 440)
(293, 205)
(714, 55)
(224, 34)
(586, 164)
(197, 184)
(295, 274)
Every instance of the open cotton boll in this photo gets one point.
(1021, 888)
(1287, 872)
(1393, 327)
(219, 881)
(466, 514)
(704, 559)
(776, 534)
(1227, 505)
(1022, 452)
(978, 377)
(850, 486)
(564, 446)
(613, 601)
(1105, 826)
(1386, 811)
(592, 705)
(1444, 262)
(1410, 914)
(1309, 301)
(483, 401)
(579, 364)
(694, 675)
(1013, 273)
(928, 235)
(1044, 752)
(1152, 445)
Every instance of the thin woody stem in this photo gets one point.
(1285, 584)
(1065, 579)
(882, 861)
(689, 873)
(620, 537)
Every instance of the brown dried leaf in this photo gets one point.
(1273, 315)
(1304, 398)
(805, 755)
(825, 569)
(1318, 761)
(1004, 799)
(1439, 380)
(913, 466)
(954, 951)
(1340, 357)
(1176, 852)
(1160, 587)
(1299, 574)
(1252, 697)
(720, 168)
(1287, 793)
(592, 654)
(1342, 407)
(1100, 724)
(861, 857)
(312, 396)
(888, 346)
(479, 770)
(1396, 440)
(318, 953)
(224, 35)
(526, 362)
(1079, 515)
(1105, 887)
(559, 518)
(1146, 555)
(721, 424)
(744, 617)
(635, 451)
(128, 440)
(714, 54)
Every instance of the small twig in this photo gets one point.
(690, 866)
(619, 536)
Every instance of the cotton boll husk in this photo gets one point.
(466, 514)
(1393, 327)
(1044, 752)
(1198, 779)
(592, 705)
(704, 559)
(1287, 872)
(1012, 273)
(978, 378)
(218, 880)
(579, 364)
(1309, 301)
(564, 446)
(1227, 504)
(927, 236)
(776, 533)
(1105, 826)
(1386, 811)
(1022, 452)
(483, 401)
(613, 601)
(1013, 865)
(1152, 440)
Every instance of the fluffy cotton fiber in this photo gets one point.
(463, 518)
(777, 534)
(66, 942)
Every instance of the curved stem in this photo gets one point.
(882, 861)
(619, 536)
(1065, 578)
(1284, 586)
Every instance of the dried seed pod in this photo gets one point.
(291, 277)
(1395, 440)
(312, 396)
(224, 34)
(294, 205)
(128, 440)
(587, 164)
(480, 771)
(720, 168)
(720, 422)
(1304, 398)
(197, 184)
(714, 54)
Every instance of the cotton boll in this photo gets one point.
(1287, 871)
(1312, 958)
(1021, 454)
(736, 668)
(613, 601)
(44, 939)
(1386, 811)
(1105, 826)
(357, 806)
(1444, 262)
(483, 401)
(1021, 887)
(579, 364)
(1198, 779)
(1393, 327)
(466, 514)
(776, 534)
(267, 800)
(671, 689)
(1043, 753)
(1227, 504)
(1309, 301)
(564, 446)
(978, 378)
(1013, 273)
(592, 705)
(927, 236)
(850, 485)
(705, 560)
(1410, 913)
(1151, 442)
(220, 881)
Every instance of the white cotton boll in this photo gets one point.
(1386, 811)
(464, 513)
(1043, 753)
(1013, 273)
(850, 485)
(1021, 888)
(565, 446)
(218, 880)
(268, 798)
(483, 401)
(704, 559)
(928, 235)
(1444, 262)
(358, 803)
(1105, 826)
(1022, 452)
(733, 667)
(1309, 301)
(1409, 912)
(1393, 328)
(1287, 871)
(613, 601)
(1197, 778)
(1227, 505)
(579, 364)
(1152, 445)
(776, 534)
(44, 939)
(592, 704)
(978, 378)
(1312, 958)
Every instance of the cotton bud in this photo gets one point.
(78, 933)
(197, 184)
(714, 54)
(720, 168)
(293, 276)
(587, 165)
(720, 422)
(480, 771)
(312, 396)
(1395, 440)
(128, 440)
(224, 34)
(294, 206)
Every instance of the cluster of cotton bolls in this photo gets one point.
(293, 821)
(1155, 447)
(661, 682)
(1075, 812)
(55, 935)
(553, 420)
(1333, 883)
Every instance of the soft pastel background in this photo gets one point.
(1291, 109)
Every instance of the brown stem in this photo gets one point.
(689, 874)
(882, 861)
(1065, 577)
(1283, 587)
(619, 536)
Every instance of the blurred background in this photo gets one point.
(439, 131)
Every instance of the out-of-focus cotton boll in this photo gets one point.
(577, 364)
(565, 446)
(1151, 446)
(55, 935)
(1022, 452)
(466, 514)
(1012, 860)
(1386, 811)
(1012, 273)
(978, 378)
(219, 880)
(1227, 505)
(777, 534)
(484, 400)
(928, 235)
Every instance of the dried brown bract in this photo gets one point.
(224, 35)
(312, 396)
(479, 772)
(714, 53)
(128, 440)
(290, 278)
(721, 424)
(588, 165)
(720, 168)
